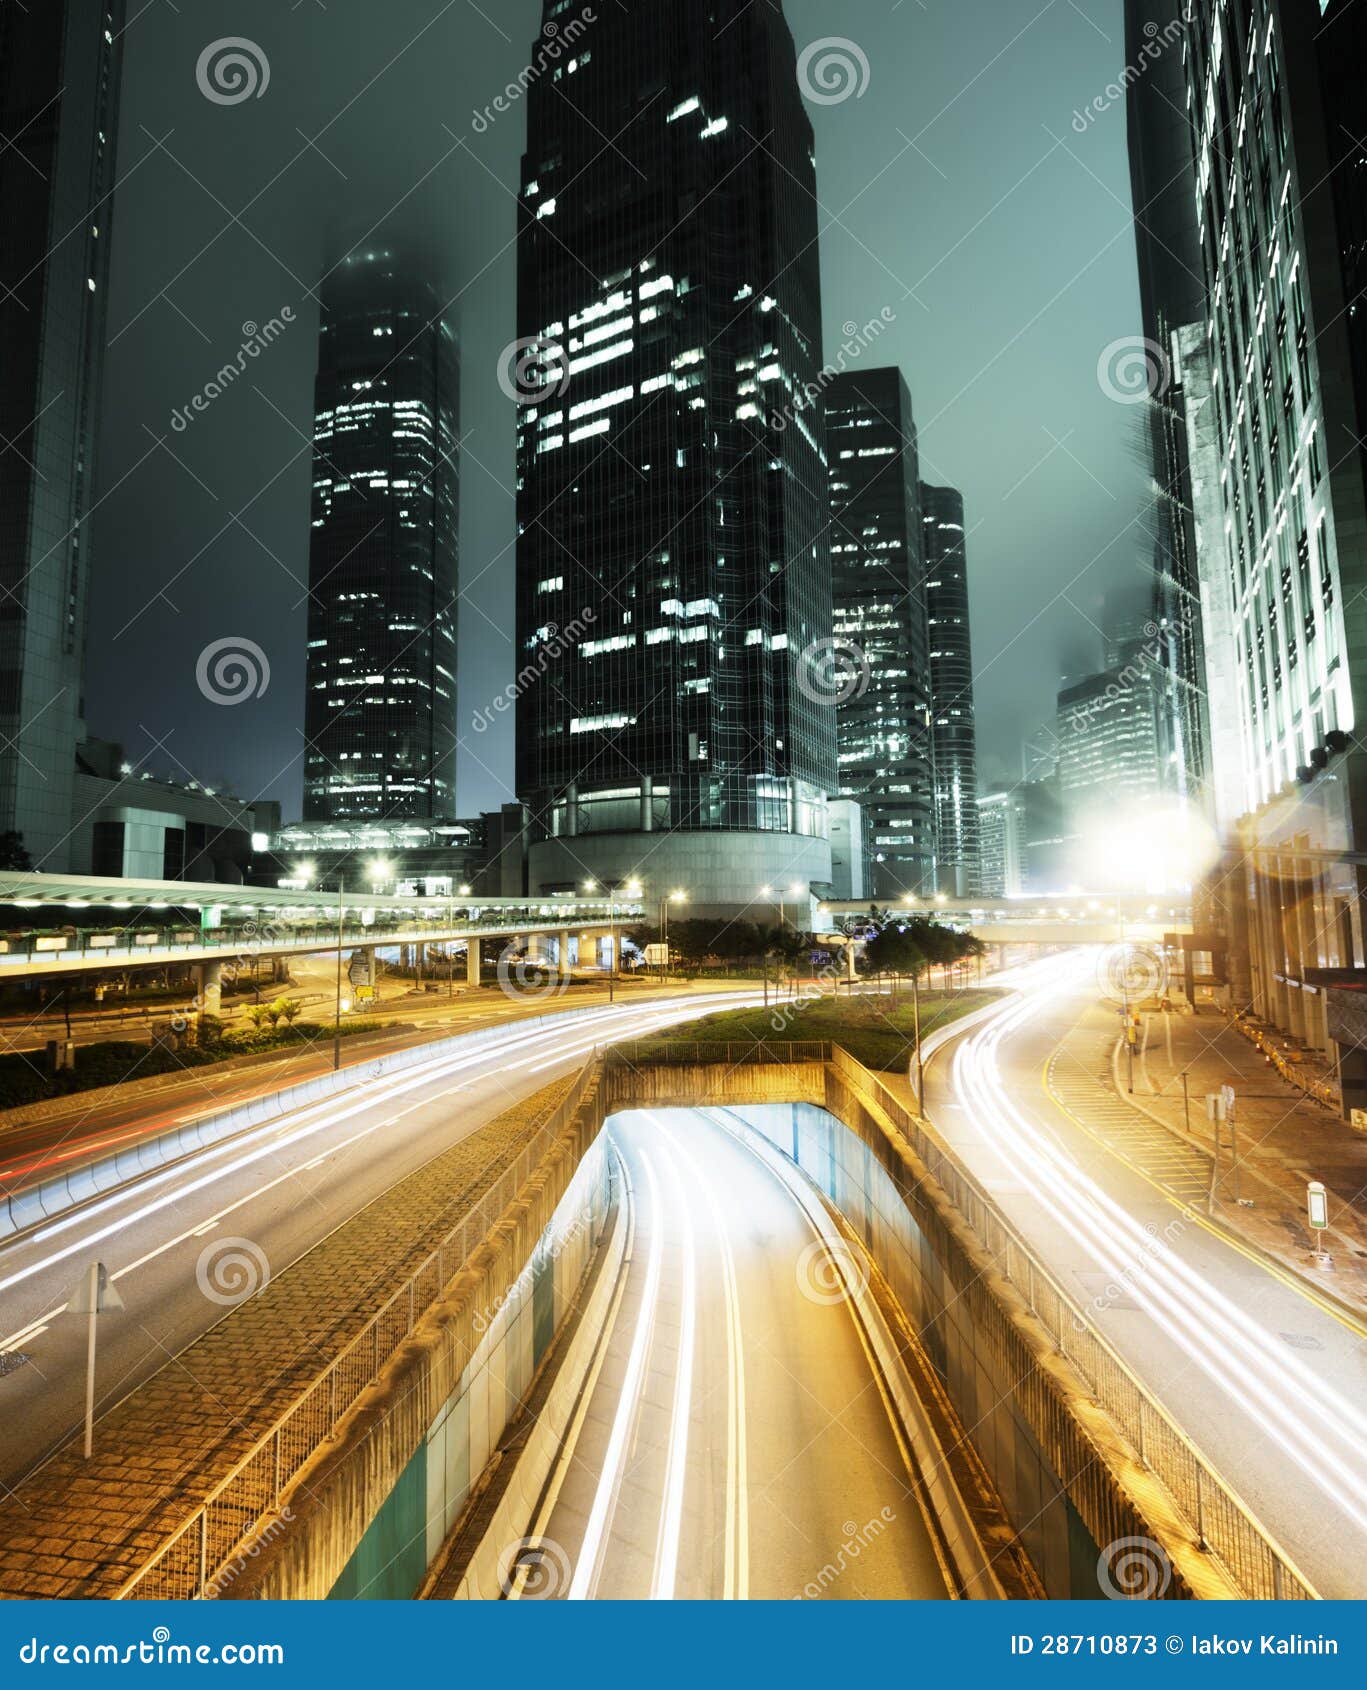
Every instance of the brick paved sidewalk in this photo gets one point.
(1285, 1140)
(78, 1528)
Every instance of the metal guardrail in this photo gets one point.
(187, 1565)
(1223, 1525)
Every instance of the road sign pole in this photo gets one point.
(93, 1292)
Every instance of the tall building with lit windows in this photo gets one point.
(954, 739)
(673, 564)
(380, 717)
(879, 577)
(1276, 98)
(60, 67)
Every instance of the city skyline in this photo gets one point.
(767, 998)
(960, 349)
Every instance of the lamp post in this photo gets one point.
(673, 898)
(337, 1011)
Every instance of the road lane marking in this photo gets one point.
(566, 1458)
(676, 1463)
(585, 1578)
(1227, 1346)
(736, 1568)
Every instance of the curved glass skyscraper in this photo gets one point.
(381, 702)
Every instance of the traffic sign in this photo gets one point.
(95, 1292)
(1317, 1202)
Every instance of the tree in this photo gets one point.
(894, 950)
(13, 854)
(290, 1009)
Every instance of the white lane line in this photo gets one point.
(279, 1135)
(585, 1578)
(736, 1570)
(676, 1464)
(566, 1458)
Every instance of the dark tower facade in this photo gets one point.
(880, 618)
(673, 565)
(380, 716)
(954, 744)
(59, 93)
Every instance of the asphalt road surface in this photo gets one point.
(733, 1440)
(285, 1185)
(1267, 1381)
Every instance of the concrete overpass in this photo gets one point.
(64, 925)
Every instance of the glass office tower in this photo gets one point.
(59, 93)
(880, 618)
(673, 564)
(380, 717)
(954, 737)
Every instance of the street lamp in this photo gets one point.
(337, 1014)
(673, 898)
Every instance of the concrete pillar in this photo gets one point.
(849, 959)
(209, 987)
(562, 943)
(473, 965)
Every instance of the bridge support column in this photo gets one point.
(562, 945)
(209, 987)
(473, 962)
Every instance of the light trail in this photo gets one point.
(134, 1203)
(1313, 1425)
(585, 1577)
(676, 1464)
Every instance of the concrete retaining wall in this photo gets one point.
(338, 1495)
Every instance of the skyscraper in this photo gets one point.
(380, 717)
(880, 617)
(954, 741)
(1277, 114)
(1172, 297)
(999, 845)
(59, 92)
(673, 570)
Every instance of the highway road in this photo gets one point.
(284, 1186)
(733, 1440)
(97, 1123)
(1269, 1382)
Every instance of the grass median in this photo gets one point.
(879, 1031)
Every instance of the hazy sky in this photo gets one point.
(956, 193)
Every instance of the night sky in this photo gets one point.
(956, 194)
